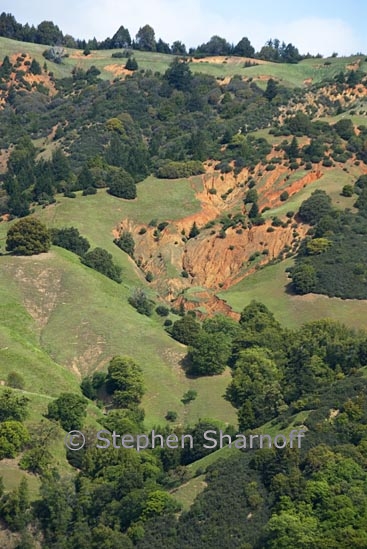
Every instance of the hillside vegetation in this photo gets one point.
(200, 216)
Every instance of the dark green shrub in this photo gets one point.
(162, 310)
(89, 191)
(171, 416)
(140, 301)
(70, 239)
(126, 243)
(28, 236)
(102, 261)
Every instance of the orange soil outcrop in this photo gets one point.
(270, 198)
(210, 303)
(30, 78)
(117, 70)
(212, 262)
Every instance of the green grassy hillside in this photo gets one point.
(80, 319)
(270, 285)
(289, 74)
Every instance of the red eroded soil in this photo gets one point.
(43, 78)
(270, 198)
(117, 70)
(212, 262)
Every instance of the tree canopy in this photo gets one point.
(28, 237)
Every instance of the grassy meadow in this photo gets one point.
(270, 286)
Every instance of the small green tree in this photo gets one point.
(347, 191)
(254, 212)
(293, 149)
(210, 354)
(131, 64)
(251, 196)
(162, 310)
(271, 89)
(13, 406)
(178, 75)
(125, 381)
(317, 246)
(158, 503)
(315, 207)
(303, 278)
(145, 39)
(122, 185)
(149, 277)
(69, 409)
(15, 509)
(344, 128)
(190, 395)
(13, 436)
(70, 239)
(35, 67)
(194, 231)
(102, 261)
(140, 301)
(244, 48)
(126, 243)
(171, 415)
(186, 330)
(28, 237)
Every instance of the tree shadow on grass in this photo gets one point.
(186, 365)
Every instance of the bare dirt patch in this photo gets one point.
(117, 70)
(32, 79)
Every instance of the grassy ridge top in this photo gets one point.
(293, 75)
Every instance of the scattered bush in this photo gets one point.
(102, 261)
(15, 380)
(70, 239)
(189, 396)
(162, 310)
(176, 170)
(149, 276)
(140, 301)
(126, 243)
(171, 416)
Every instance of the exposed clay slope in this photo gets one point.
(219, 262)
(321, 102)
(215, 259)
(22, 79)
